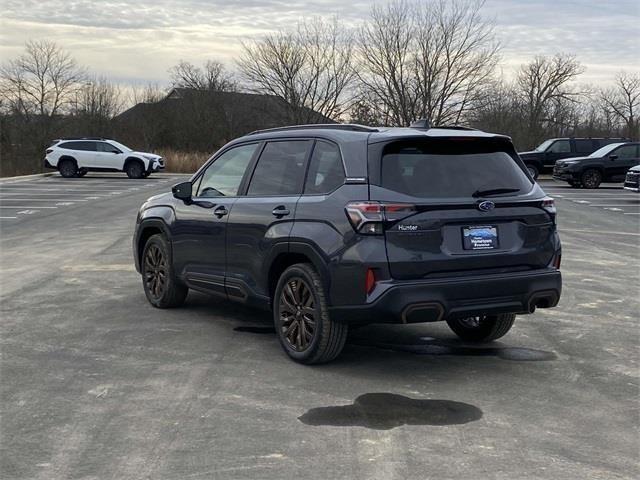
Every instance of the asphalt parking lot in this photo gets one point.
(97, 384)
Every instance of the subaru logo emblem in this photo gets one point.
(486, 206)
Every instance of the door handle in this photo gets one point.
(280, 211)
(221, 211)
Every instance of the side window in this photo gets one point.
(107, 148)
(560, 146)
(223, 176)
(627, 151)
(325, 170)
(67, 145)
(584, 146)
(280, 169)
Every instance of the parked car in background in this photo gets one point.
(608, 164)
(337, 225)
(632, 180)
(544, 157)
(74, 157)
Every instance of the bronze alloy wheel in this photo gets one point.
(472, 322)
(155, 271)
(298, 314)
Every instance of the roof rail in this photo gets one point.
(82, 138)
(454, 127)
(352, 127)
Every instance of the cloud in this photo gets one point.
(139, 40)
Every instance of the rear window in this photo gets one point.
(449, 169)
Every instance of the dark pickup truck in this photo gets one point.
(545, 155)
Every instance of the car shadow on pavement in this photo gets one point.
(384, 411)
(383, 337)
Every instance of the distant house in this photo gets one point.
(202, 120)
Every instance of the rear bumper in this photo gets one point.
(434, 300)
(48, 165)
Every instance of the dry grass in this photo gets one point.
(182, 162)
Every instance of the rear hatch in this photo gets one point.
(459, 206)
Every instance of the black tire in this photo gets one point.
(591, 178)
(82, 172)
(68, 168)
(307, 334)
(134, 169)
(483, 328)
(161, 286)
(533, 171)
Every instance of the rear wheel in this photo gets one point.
(591, 178)
(162, 288)
(301, 317)
(533, 171)
(483, 328)
(134, 169)
(68, 168)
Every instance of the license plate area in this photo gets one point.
(480, 237)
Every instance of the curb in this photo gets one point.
(24, 177)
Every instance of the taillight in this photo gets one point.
(49, 150)
(368, 217)
(556, 261)
(549, 205)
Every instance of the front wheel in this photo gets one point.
(483, 328)
(301, 317)
(591, 178)
(162, 288)
(134, 169)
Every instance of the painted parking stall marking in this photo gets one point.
(34, 196)
(609, 197)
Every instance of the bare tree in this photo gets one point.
(427, 59)
(149, 93)
(543, 83)
(213, 76)
(42, 81)
(99, 98)
(623, 100)
(310, 68)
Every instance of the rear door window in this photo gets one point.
(584, 146)
(280, 169)
(445, 169)
(83, 146)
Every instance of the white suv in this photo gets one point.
(75, 157)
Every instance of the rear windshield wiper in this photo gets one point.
(493, 191)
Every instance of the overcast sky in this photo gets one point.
(137, 41)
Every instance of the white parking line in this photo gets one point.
(43, 199)
(616, 205)
(6, 218)
(632, 213)
(8, 196)
(16, 206)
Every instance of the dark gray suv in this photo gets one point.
(336, 225)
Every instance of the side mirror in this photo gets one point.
(182, 191)
(613, 157)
